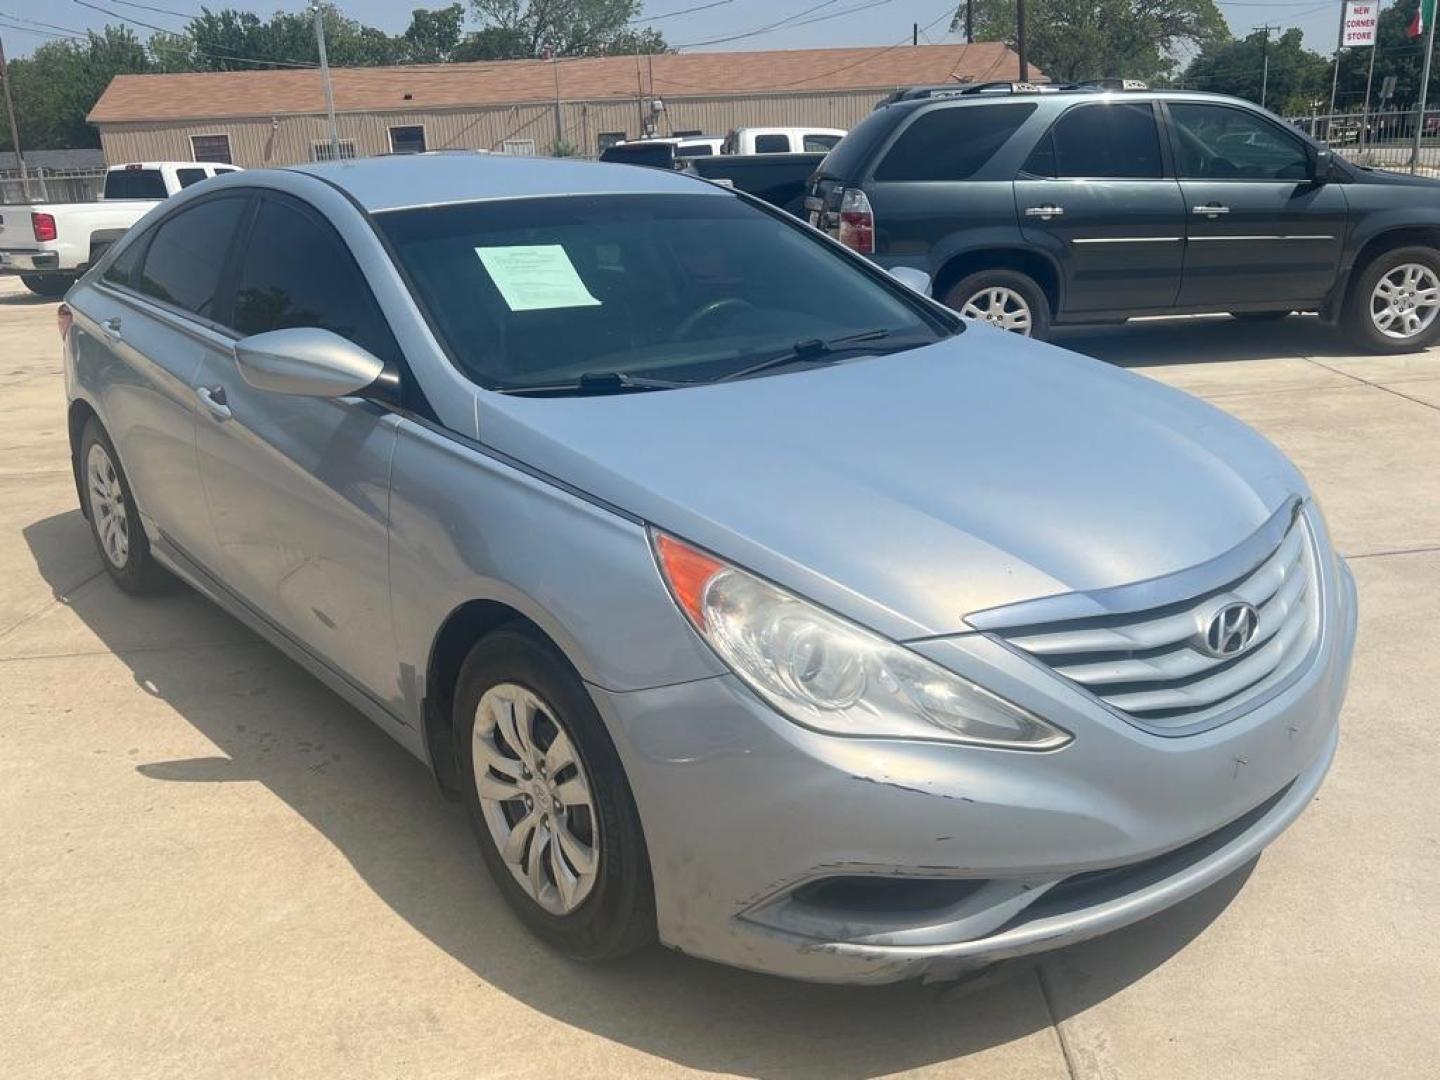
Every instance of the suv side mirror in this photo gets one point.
(1320, 165)
(307, 362)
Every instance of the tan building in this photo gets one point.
(258, 118)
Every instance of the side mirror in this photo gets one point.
(1320, 162)
(912, 278)
(307, 362)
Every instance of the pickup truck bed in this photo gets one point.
(779, 179)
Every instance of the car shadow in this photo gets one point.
(1204, 339)
(26, 299)
(275, 725)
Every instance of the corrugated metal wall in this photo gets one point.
(286, 140)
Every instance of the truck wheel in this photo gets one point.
(1002, 298)
(52, 286)
(1394, 305)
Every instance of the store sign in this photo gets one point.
(1361, 19)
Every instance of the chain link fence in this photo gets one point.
(51, 185)
(1385, 140)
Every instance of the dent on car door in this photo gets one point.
(1258, 228)
(1095, 194)
(298, 487)
(144, 333)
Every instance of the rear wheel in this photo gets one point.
(52, 286)
(1394, 306)
(548, 799)
(114, 520)
(1003, 298)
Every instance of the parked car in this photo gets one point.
(781, 140)
(779, 179)
(1037, 208)
(50, 244)
(744, 595)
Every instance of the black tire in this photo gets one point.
(1003, 278)
(1357, 320)
(1260, 316)
(618, 915)
(136, 572)
(52, 286)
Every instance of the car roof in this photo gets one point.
(921, 96)
(392, 183)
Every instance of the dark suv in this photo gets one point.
(1036, 206)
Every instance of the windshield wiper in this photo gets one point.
(812, 349)
(598, 382)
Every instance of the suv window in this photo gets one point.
(952, 143)
(296, 271)
(187, 254)
(1117, 140)
(772, 144)
(1216, 142)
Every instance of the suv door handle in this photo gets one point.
(1211, 210)
(111, 329)
(1044, 213)
(213, 398)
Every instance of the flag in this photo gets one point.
(1420, 24)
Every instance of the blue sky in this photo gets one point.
(839, 22)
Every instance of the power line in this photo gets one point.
(682, 11)
(758, 30)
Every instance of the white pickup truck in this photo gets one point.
(51, 244)
(781, 140)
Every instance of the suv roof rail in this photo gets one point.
(1113, 83)
(959, 89)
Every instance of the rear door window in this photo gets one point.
(1101, 140)
(187, 255)
(952, 143)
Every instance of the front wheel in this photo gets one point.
(51, 286)
(1394, 306)
(1005, 299)
(549, 801)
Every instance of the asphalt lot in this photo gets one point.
(209, 866)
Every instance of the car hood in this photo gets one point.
(909, 490)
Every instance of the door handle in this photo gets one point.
(1044, 213)
(213, 398)
(1211, 210)
(111, 329)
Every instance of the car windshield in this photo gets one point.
(689, 288)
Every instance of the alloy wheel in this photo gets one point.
(107, 506)
(535, 797)
(1405, 301)
(999, 306)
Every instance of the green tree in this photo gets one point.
(1072, 40)
(514, 29)
(56, 87)
(433, 35)
(1298, 78)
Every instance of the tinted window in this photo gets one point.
(407, 140)
(296, 272)
(187, 254)
(124, 270)
(135, 184)
(1220, 143)
(698, 150)
(656, 155)
(772, 144)
(952, 143)
(819, 144)
(189, 176)
(1117, 140)
(687, 287)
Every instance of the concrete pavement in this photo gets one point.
(209, 866)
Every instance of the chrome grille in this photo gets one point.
(1152, 665)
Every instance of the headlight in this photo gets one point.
(826, 673)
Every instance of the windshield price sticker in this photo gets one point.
(536, 277)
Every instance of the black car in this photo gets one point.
(1033, 206)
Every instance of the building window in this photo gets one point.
(518, 147)
(321, 150)
(407, 140)
(607, 139)
(210, 148)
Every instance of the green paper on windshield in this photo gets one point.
(535, 277)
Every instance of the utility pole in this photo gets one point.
(1369, 80)
(914, 34)
(1265, 59)
(1335, 78)
(1019, 39)
(14, 124)
(319, 11)
(969, 21)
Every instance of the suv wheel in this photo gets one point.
(1394, 307)
(1006, 299)
(548, 799)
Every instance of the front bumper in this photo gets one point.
(27, 261)
(745, 812)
